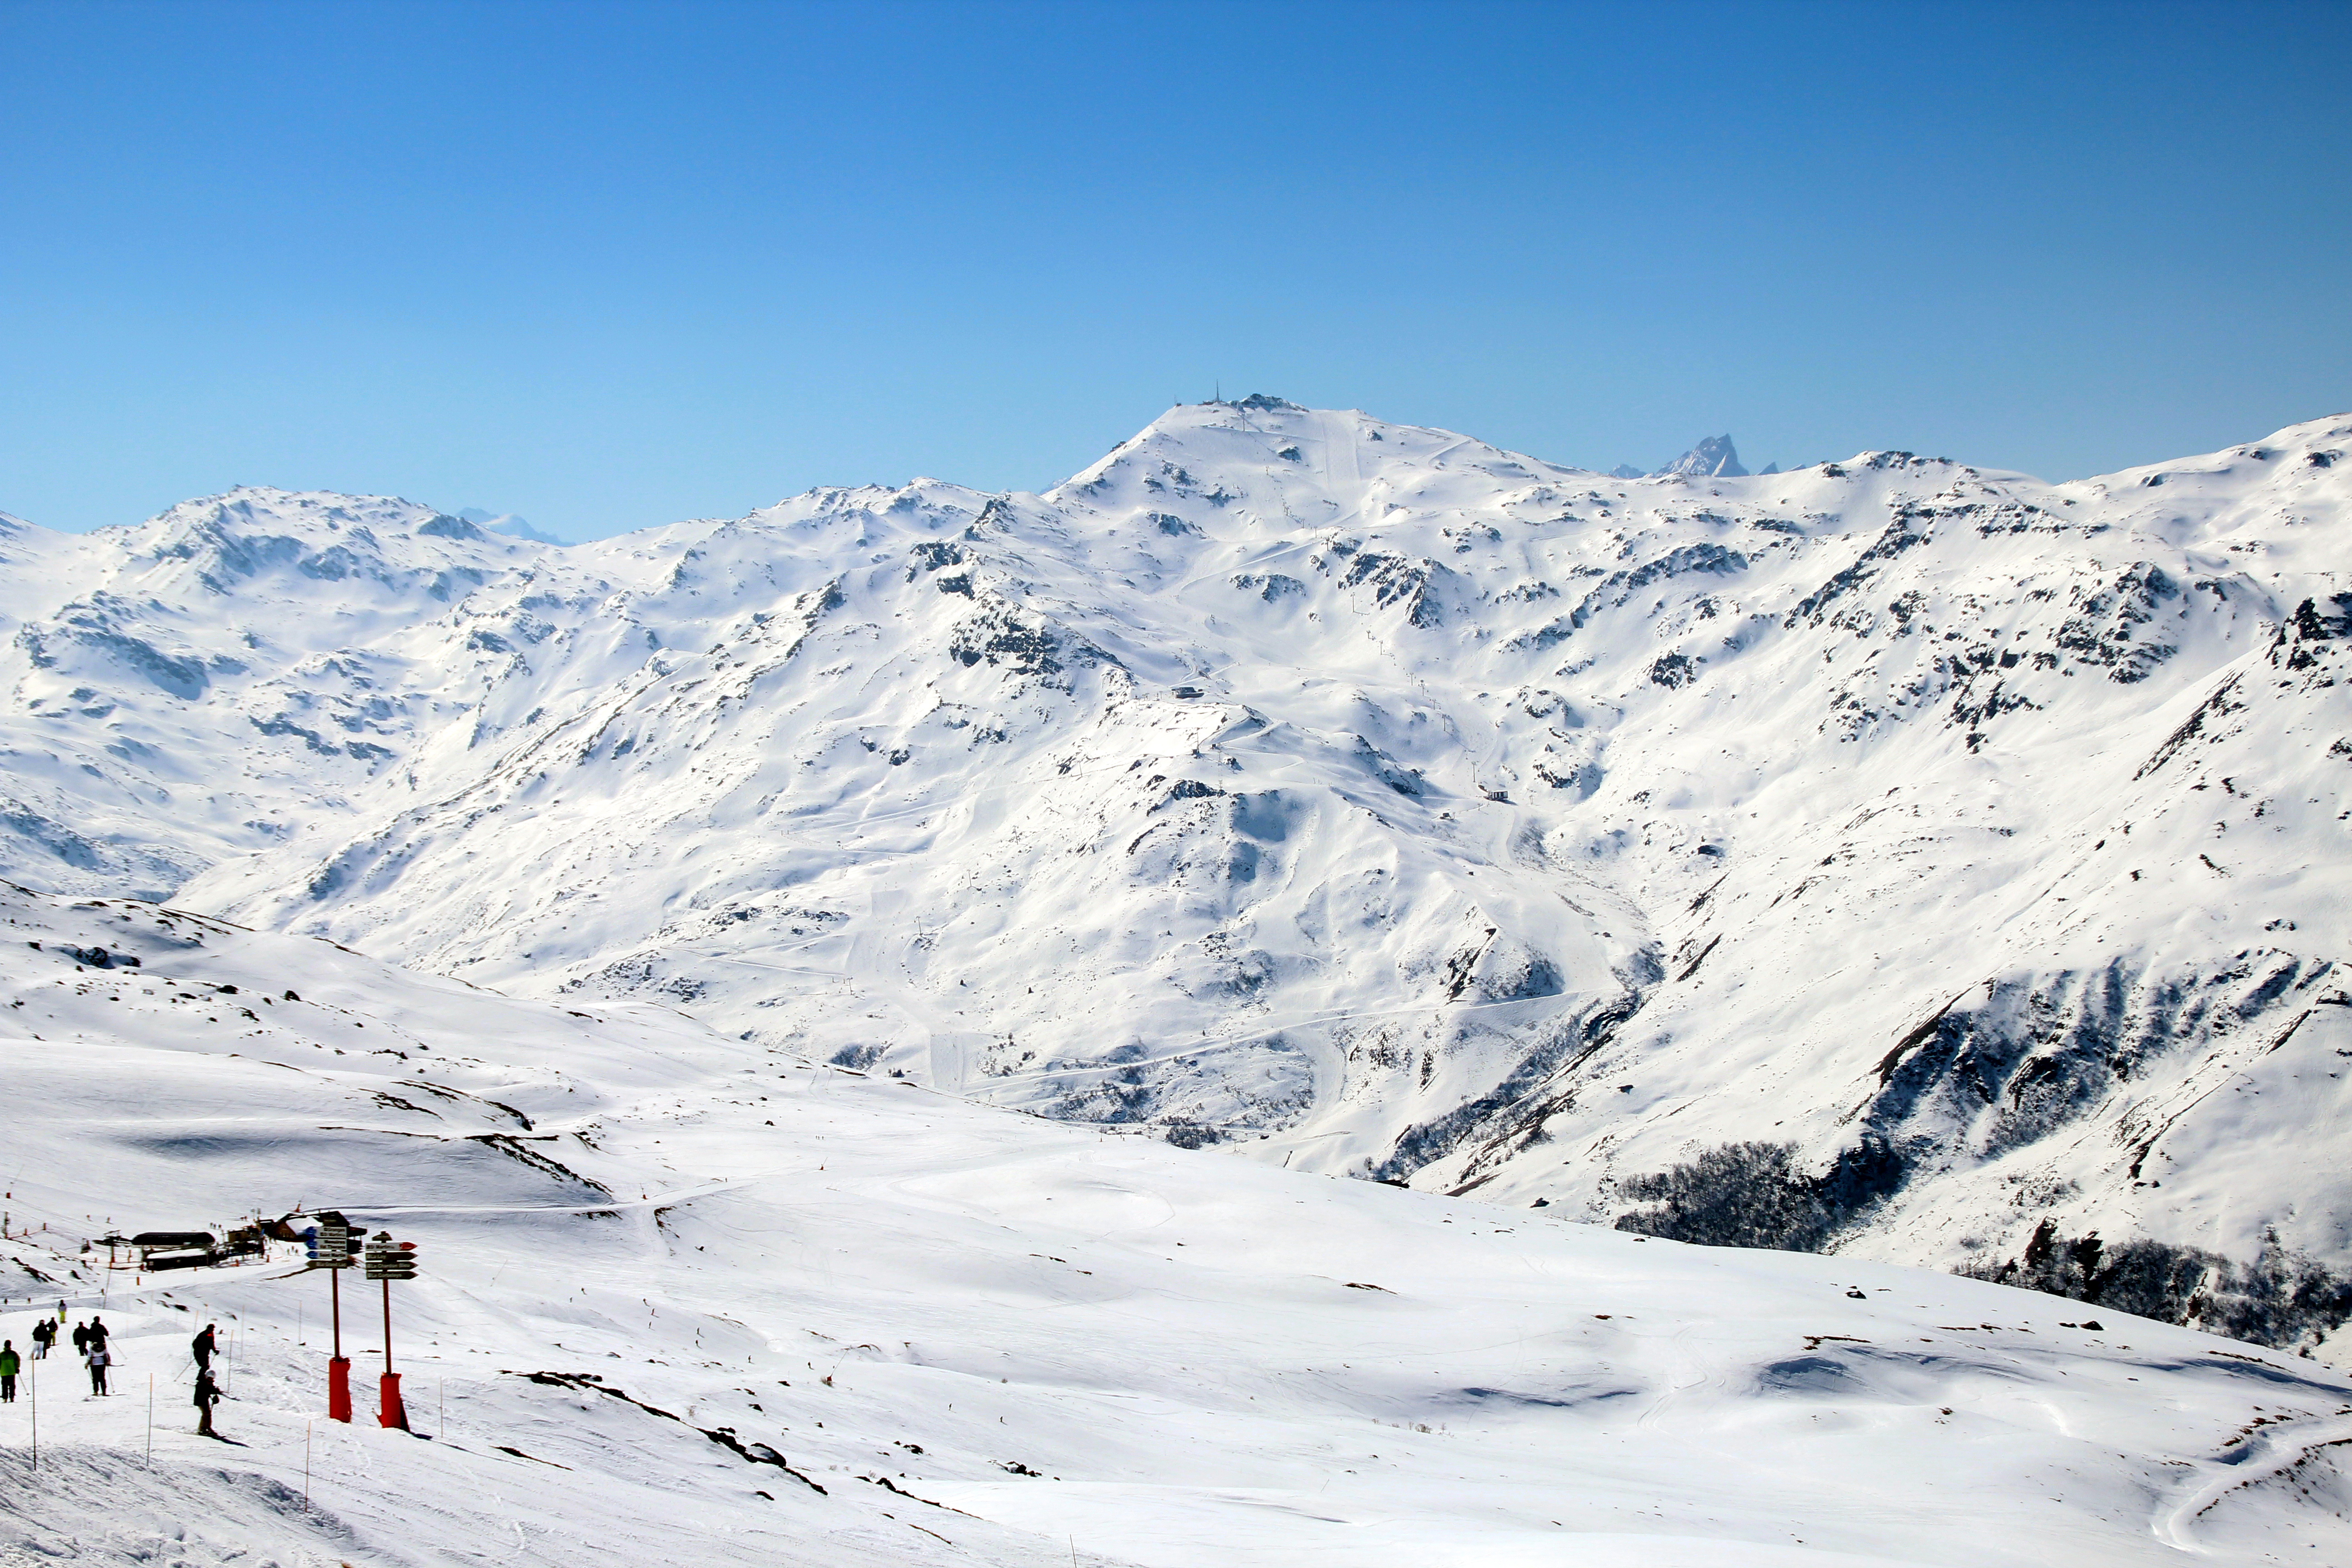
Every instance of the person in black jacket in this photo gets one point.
(201, 1347)
(81, 1339)
(208, 1395)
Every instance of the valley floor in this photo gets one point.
(989, 1338)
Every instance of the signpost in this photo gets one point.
(389, 1261)
(330, 1248)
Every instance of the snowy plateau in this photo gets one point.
(1882, 873)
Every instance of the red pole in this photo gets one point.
(392, 1413)
(338, 1370)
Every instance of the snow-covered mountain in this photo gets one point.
(1713, 458)
(506, 522)
(1891, 855)
(679, 1302)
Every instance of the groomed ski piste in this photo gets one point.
(685, 1302)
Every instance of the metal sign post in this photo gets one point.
(389, 1261)
(331, 1249)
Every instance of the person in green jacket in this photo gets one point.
(9, 1366)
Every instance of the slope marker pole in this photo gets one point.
(339, 1369)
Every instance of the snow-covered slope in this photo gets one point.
(1913, 859)
(198, 686)
(682, 1303)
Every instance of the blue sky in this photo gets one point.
(609, 265)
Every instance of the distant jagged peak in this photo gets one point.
(1713, 458)
(512, 524)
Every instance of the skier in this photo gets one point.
(201, 1347)
(45, 1334)
(98, 1331)
(98, 1364)
(7, 1372)
(208, 1395)
(81, 1339)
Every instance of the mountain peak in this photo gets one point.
(511, 524)
(1714, 457)
(1260, 458)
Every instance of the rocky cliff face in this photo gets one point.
(1713, 458)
